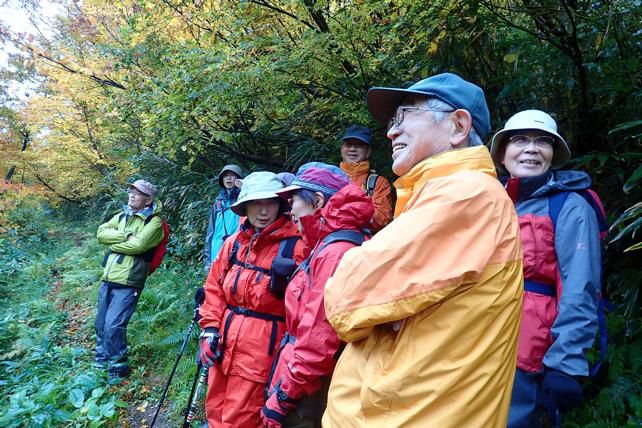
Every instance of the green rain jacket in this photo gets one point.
(127, 262)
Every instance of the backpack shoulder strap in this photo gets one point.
(371, 182)
(555, 204)
(286, 246)
(149, 218)
(594, 201)
(352, 236)
(235, 250)
(557, 200)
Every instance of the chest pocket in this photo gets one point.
(540, 260)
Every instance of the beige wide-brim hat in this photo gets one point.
(258, 185)
(528, 120)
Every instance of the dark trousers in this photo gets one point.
(527, 405)
(116, 304)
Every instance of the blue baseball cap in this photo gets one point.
(358, 132)
(447, 87)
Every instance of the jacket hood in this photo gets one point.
(348, 209)
(521, 188)
(566, 181)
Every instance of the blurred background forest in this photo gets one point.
(172, 90)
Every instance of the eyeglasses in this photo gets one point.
(541, 141)
(136, 192)
(400, 114)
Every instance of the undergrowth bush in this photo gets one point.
(45, 380)
(49, 276)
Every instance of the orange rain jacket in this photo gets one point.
(430, 306)
(381, 196)
(248, 343)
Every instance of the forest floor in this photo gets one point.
(48, 294)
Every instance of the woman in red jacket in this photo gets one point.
(330, 213)
(242, 320)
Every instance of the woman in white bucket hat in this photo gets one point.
(243, 318)
(560, 232)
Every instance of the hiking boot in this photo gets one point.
(117, 374)
(100, 365)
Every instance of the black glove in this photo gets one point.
(207, 346)
(199, 297)
(562, 392)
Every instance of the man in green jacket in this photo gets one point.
(132, 236)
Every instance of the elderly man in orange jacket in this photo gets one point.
(430, 306)
(355, 151)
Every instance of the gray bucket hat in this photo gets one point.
(229, 168)
(258, 185)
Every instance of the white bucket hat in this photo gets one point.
(531, 119)
(258, 185)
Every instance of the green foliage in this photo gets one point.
(45, 381)
(171, 91)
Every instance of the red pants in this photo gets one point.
(233, 401)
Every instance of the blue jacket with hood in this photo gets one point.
(223, 222)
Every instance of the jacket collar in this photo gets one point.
(229, 195)
(355, 169)
(281, 228)
(144, 213)
(444, 164)
(520, 188)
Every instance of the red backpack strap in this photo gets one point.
(594, 201)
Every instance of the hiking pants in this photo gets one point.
(527, 403)
(233, 401)
(116, 304)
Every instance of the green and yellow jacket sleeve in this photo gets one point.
(109, 234)
(149, 237)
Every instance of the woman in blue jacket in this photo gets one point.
(223, 221)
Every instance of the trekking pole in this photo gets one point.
(196, 391)
(198, 297)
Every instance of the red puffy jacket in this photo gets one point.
(238, 302)
(312, 350)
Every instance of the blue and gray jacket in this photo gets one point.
(223, 222)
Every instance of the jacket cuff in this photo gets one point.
(290, 389)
